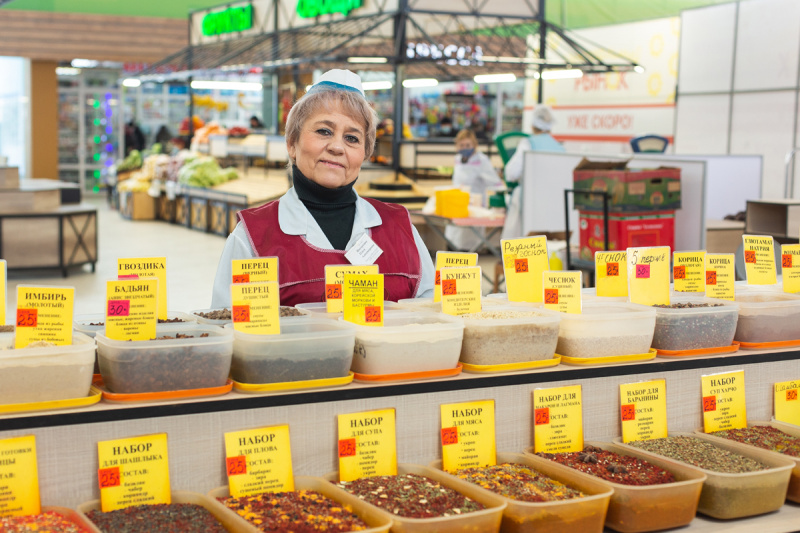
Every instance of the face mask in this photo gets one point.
(466, 153)
(446, 129)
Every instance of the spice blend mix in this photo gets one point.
(50, 522)
(622, 469)
(161, 518)
(518, 482)
(700, 453)
(766, 437)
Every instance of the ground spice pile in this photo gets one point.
(622, 469)
(700, 453)
(50, 522)
(766, 437)
(518, 482)
(303, 511)
(411, 496)
(172, 518)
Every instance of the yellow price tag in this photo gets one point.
(461, 290)
(334, 280)
(759, 260)
(147, 267)
(256, 307)
(648, 275)
(562, 291)
(4, 288)
(790, 267)
(44, 314)
(131, 309)
(259, 460)
(720, 276)
(558, 419)
(448, 260)
(689, 271)
(787, 402)
(468, 435)
(254, 269)
(363, 299)
(133, 471)
(19, 477)
(524, 260)
(611, 273)
(367, 444)
(643, 410)
(724, 401)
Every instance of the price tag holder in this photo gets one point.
(363, 299)
(147, 267)
(4, 289)
(133, 471)
(461, 290)
(256, 307)
(720, 276)
(19, 477)
(334, 280)
(759, 260)
(648, 275)
(131, 309)
(562, 291)
(558, 419)
(643, 410)
(468, 435)
(367, 444)
(450, 260)
(724, 401)
(44, 314)
(259, 460)
(611, 273)
(254, 269)
(689, 271)
(790, 263)
(524, 260)
(787, 402)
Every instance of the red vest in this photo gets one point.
(301, 265)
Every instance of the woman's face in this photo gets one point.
(465, 144)
(330, 148)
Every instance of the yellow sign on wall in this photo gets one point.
(259, 460)
(468, 435)
(724, 401)
(19, 477)
(643, 410)
(558, 419)
(787, 402)
(133, 471)
(367, 444)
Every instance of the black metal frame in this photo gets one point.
(582, 264)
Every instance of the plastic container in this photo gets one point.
(377, 521)
(579, 514)
(306, 349)
(639, 508)
(589, 294)
(727, 496)
(428, 305)
(167, 364)
(692, 328)
(285, 311)
(494, 341)
(767, 315)
(320, 309)
(47, 373)
(83, 323)
(408, 342)
(484, 521)
(607, 329)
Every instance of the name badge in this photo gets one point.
(364, 251)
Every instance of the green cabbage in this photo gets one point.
(205, 172)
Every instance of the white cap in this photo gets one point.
(543, 118)
(343, 80)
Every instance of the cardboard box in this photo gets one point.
(631, 190)
(137, 205)
(9, 177)
(625, 231)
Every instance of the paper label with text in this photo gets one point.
(256, 307)
(643, 410)
(759, 260)
(720, 276)
(367, 444)
(790, 264)
(147, 267)
(44, 314)
(461, 290)
(254, 269)
(524, 260)
(450, 259)
(259, 460)
(724, 401)
(468, 435)
(363, 299)
(558, 419)
(562, 290)
(611, 269)
(334, 281)
(133, 471)
(689, 271)
(648, 275)
(131, 309)
(19, 477)
(787, 402)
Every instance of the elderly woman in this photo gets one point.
(330, 132)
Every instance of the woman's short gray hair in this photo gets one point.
(352, 104)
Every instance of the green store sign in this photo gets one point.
(231, 20)
(314, 8)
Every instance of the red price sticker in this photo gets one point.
(27, 318)
(372, 313)
(241, 278)
(449, 436)
(449, 287)
(709, 404)
(521, 265)
(108, 477)
(438, 280)
(642, 271)
(612, 269)
(541, 416)
(551, 296)
(347, 447)
(119, 308)
(333, 291)
(711, 277)
(128, 276)
(679, 272)
(750, 256)
(628, 412)
(791, 395)
(241, 313)
(236, 465)
(786, 260)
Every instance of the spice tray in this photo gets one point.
(719, 350)
(484, 521)
(377, 520)
(606, 329)
(167, 364)
(261, 388)
(320, 309)
(409, 376)
(609, 360)
(579, 514)
(284, 310)
(793, 493)
(71, 516)
(232, 524)
(408, 342)
(47, 373)
(693, 328)
(639, 508)
(512, 367)
(92, 398)
(727, 496)
(427, 305)
(307, 348)
(83, 323)
(159, 396)
(767, 316)
(769, 345)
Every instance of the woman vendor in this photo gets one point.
(330, 132)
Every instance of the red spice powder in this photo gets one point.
(766, 437)
(622, 469)
(48, 522)
(161, 518)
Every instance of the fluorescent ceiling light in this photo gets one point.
(227, 85)
(131, 82)
(67, 71)
(367, 60)
(560, 74)
(376, 85)
(495, 78)
(85, 63)
(421, 82)
(638, 69)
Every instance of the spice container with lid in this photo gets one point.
(320, 309)
(767, 315)
(306, 348)
(95, 323)
(193, 357)
(428, 305)
(222, 316)
(639, 508)
(585, 513)
(695, 322)
(606, 329)
(728, 495)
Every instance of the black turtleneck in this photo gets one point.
(333, 209)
